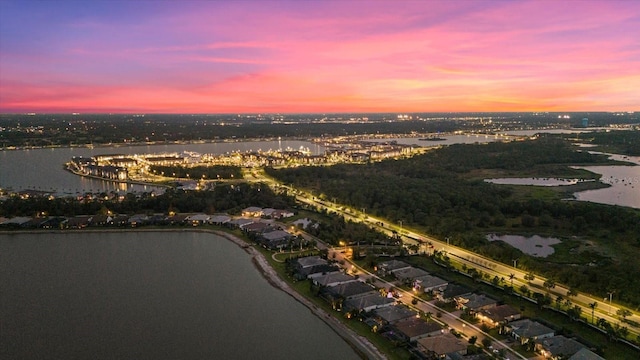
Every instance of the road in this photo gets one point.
(452, 320)
(604, 309)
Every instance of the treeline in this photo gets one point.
(333, 229)
(222, 198)
(619, 142)
(199, 172)
(439, 193)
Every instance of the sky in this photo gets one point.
(201, 56)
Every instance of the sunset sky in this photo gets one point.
(319, 56)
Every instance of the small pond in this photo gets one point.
(535, 245)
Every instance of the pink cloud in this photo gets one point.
(340, 56)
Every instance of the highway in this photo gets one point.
(604, 309)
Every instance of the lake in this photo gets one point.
(43, 169)
(148, 295)
(535, 245)
(624, 183)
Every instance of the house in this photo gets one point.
(197, 219)
(305, 266)
(331, 279)
(351, 290)
(475, 302)
(429, 283)
(16, 221)
(252, 211)
(256, 227)
(239, 223)
(78, 222)
(526, 330)
(275, 239)
(393, 314)
(558, 347)
(408, 275)
(35, 222)
(100, 220)
(138, 219)
(500, 314)
(120, 220)
(452, 291)
(442, 344)
(414, 328)
(585, 354)
(55, 223)
(337, 295)
(367, 303)
(387, 267)
(219, 219)
(276, 213)
(177, 219)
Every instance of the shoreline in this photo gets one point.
(361, 346)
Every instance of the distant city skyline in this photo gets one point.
(318, 56)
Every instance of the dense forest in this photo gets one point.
(442, 193)
(619, 142)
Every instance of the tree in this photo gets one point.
(511, 277)
(529, 277)
(593, 307)
(575, 312)
(559, 300)
(602, 323)
(549, 284)
(623, 313)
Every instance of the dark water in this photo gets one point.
(154, 295)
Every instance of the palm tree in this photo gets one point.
(549, 284)
(593, 307)
(428, 315)
(623, 313)
(511, 277)
(602, 323)
(529, 277)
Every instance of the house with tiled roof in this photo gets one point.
(331, 279)
(585, 354)
(429, 283)
(500, 314)
(441, 345)
(414, 328)
(409, 274)
(393, 314)
(367, 303)
(558, 347)
(388, 267)
(526, 330)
